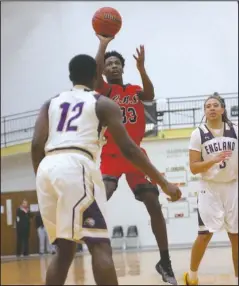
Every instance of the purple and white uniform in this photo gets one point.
(70, 189)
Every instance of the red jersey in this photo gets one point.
(132, 111)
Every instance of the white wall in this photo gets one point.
(123, 209)
(17, 173)
(191, 47)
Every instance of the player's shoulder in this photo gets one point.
(137, 87)
(196, 133)
(235, 127)
(105, 104)
(58, 95)
(106, 108)
(103, 101)
(54, 100)
(231, 130)
(134, 87)
(128, 86)
(45, 107)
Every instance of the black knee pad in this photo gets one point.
(111, 184)
(145, 188)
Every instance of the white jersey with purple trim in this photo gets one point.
(70, 189)
(211, 142)
(73, 122)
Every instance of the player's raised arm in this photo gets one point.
(40, 136)
(148, 89)
(100, 61)
(110, 115)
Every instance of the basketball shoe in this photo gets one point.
(187, 282)
(166, 271)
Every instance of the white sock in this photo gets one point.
(193, 275)
(236, 280)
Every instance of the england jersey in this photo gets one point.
(210, 144)
(73, 122)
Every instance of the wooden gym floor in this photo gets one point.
(133, 268)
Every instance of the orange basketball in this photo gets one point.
(107, 22)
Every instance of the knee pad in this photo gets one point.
(111, 184)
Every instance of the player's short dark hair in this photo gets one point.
(117, 55)
(82, 69)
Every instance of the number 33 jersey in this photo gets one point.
(73, 122)
(212, 142)
(132, 113)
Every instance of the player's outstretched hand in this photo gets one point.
(140, 57)
(173, 192)
(104, 40)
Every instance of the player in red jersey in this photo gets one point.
(130, 98)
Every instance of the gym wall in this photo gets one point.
(171, 158)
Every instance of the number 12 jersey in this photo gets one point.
(73, 122)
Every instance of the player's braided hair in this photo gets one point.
(223, 104)
(117, 55)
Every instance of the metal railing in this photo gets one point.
(17, 128)
(177, 117)
(178, 112)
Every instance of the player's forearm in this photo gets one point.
(201, 167)
(148, 87)
(100, 58)
(138, 158)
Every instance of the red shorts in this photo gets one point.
(113, 166)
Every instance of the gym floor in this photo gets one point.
(133, 268)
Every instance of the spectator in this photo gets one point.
(44, 244)
(23, 216)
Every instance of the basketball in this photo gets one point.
(107, 22)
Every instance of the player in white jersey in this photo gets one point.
(213, 153)
(70, 189)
